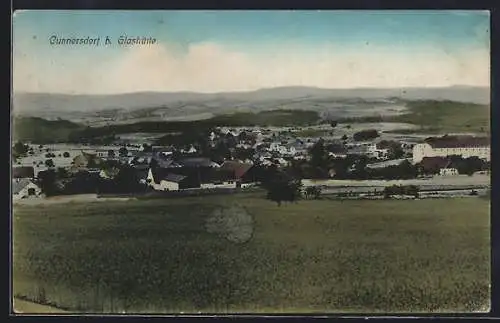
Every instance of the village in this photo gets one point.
(240, 158)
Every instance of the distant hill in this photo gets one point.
(210, 102)
(42, 131)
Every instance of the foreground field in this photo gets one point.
(313, 256)
(22, 307)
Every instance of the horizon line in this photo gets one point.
(259, 89)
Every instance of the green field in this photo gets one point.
(448, 116)
(437, 117)
(312, 256)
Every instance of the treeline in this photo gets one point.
(60, 182)
(38, 130)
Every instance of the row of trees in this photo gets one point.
(121, 179)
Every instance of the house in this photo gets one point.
(106, 153)
(465, 146)
(163, 162)
(161, 179)
(190, 150)
(142, 158)
(23, 172)
(218, 178)
(85, 160)
(24, 188)
(448, 171)
(237, 168)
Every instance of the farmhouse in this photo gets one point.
(465, 146)
(218, 178)
(24, 188)
(162, 180)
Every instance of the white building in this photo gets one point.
(465, 146)
(282, 149)
(222, 184)
(448, 171)
(165, 182)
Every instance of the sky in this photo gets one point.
(222, 51)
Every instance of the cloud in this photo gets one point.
(209, 67)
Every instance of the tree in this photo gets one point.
(394, 147)
(334, 123)
(47, 182)
(123, 152)
(111, 153)
(49, 163)
(19, 149)
(62, 172)
(126, 180)
(366, 135)
(344, 138)
(282, 188)
(318, 154)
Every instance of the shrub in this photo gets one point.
(366, 135)
(401, 190)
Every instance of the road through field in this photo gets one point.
(437, 181)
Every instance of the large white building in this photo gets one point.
(465, 146)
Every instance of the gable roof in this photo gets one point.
(176, 178)
(160, 174)
(195, 162)
(458, 141)
(19, 185)
(23, 172)
(238, 168)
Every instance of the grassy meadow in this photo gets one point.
(448, 116)
(436, 117)
(312, 256)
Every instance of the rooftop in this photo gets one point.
(23, 172)
(18, 185)
(174, 177)
(458, 141)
